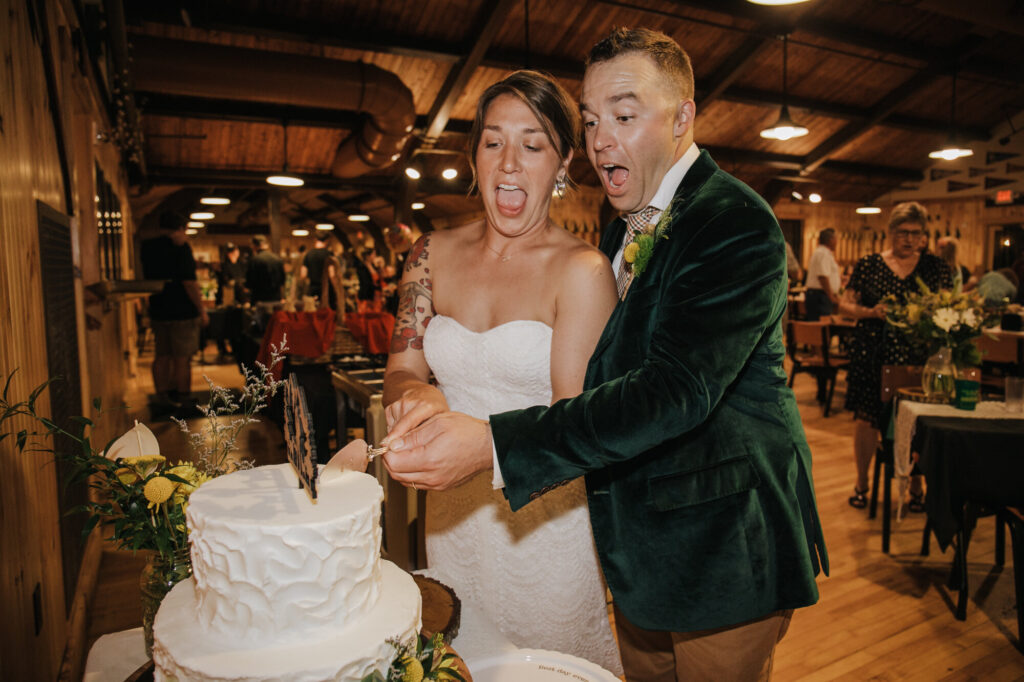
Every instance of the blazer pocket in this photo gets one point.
(686, 489)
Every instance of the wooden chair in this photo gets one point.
(808, 345)
(893, 377)
(1000, 357)
(1014, 517)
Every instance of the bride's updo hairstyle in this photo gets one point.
(549, 102)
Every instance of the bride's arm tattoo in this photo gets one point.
(415, 302)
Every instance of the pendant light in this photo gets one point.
(951, 150)
(785, 128)
(285, 179)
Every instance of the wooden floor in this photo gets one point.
(881, 617)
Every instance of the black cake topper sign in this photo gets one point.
(298, 436)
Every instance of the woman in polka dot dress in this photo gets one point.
(894, 271)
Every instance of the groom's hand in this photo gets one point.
(443, 452)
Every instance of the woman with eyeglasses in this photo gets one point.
(874, 344)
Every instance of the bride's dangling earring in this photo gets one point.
(560, 187)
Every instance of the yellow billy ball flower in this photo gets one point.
(158, 489)
(629, 253)
(413, 669)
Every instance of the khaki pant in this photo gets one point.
(736, 653)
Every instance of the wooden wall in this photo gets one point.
(860, 235)
(30, 171)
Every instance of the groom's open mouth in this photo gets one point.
(615, 176)
(510, 199)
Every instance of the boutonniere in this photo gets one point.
(638, 252)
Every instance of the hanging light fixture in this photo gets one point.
(785, 128)
(215, 201)
(285, 179)
(814, 198)
(868, 209)
(951, 150)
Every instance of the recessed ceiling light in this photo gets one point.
(796, 195)
(417, 205)
(300, 233)
(191, 231)
(412, 173)
(285, 181)
(201, 215)
(359, 217)
(195, 224)
(868, 210)
(449, 174)
(215, 201)
(951, 152)
(324, 226)
(814, 198)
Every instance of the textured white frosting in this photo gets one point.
(183, 651)
(284, 589)
(269, 565)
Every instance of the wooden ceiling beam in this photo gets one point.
(730, 69)
(487, 29)
(794, 162)
(237, 179)
(888, 104)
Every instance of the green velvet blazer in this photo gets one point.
(697, 469)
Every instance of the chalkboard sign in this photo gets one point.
(298, 436)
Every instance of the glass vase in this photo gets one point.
(938, 379)
(161, 573)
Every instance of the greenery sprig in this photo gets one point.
(639, 251)
(430, 659)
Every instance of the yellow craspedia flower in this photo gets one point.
(158, 489)
(126, 475)
(629, 253)
(412, 669)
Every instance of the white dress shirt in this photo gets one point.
(662, 198)
(823, 264)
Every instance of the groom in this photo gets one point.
(697, 470)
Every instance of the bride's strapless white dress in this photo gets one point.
(534, 572)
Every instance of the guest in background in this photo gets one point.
(948, 248)
(176, 312)
(998, 287)
(793, 269)
(1018, 269)
(231, 276)
(874, 343)
(264, 276)
(823, 277)
(319, 264)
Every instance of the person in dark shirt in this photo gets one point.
(265, 274)
(231, 275)
(176, 312)
(318, 263)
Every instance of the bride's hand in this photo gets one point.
(414, 407)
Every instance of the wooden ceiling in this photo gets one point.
(871, 79)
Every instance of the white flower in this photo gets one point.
(945, 318)
(969, 318)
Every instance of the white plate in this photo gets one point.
(536, 665)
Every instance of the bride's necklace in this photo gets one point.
(501, 254)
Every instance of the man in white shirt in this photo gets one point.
(823, 279)
(696, 465)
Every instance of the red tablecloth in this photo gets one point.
(309, 334)
(371, 330)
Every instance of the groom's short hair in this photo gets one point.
(665, 52)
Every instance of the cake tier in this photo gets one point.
(182, 651)
(269, 565)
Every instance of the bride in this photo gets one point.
(506, 312)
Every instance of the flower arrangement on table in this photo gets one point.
(429, 659)
(948, 318)
(139, 494)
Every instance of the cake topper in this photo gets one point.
(298, 436)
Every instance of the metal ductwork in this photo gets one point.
(178, 67)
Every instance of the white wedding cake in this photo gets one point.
(284, 589)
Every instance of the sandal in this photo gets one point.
(916, 503)
(859, 500)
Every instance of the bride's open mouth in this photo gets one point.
(510, 199)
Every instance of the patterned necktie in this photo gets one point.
(635, 224)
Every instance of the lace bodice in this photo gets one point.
(482, 373)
